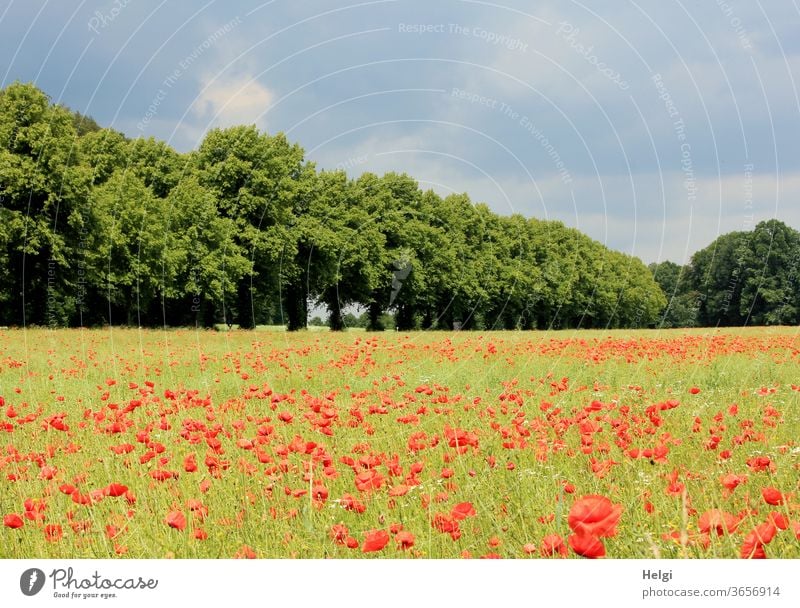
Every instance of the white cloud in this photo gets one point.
(229, 101)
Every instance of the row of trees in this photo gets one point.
(742, 278)
(99, 229)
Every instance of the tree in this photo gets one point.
(771, 289)
(259, 179)
(128, 254)
(206, 263)
(682, 301)
(105, 151)
(42, 187)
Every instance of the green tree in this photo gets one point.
(771, 289)
(259, 179)
(128, 256)
(205, 261)
(43, 189)
(682, 301)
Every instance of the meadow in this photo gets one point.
(202, 444)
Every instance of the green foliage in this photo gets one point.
(749, 278)
(42, 188)
(96, 228)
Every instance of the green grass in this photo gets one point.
(472, 377)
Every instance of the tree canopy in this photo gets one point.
(96, 228)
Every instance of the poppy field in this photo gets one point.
(201, 444)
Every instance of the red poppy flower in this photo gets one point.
(319, 493)
(587, 545)
(594, 515)
(553, 545)
(772, 496)
(463, 510)
(718, 521)
(351, 542)
(339, 533)
(375, 540)
(731, 480)
(53, 533)
(176, 519)
(369, 480)
(162, 475)
(351, 504)
(529, 548)
(764, 533)
(752, 549)
(760, 463)
(443, 523)
(12, 520)
(779, 520)
(190, 463)
(48, 472)
(694, 390)
(115, 489)
(404, 540)
(245, 552)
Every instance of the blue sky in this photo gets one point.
(653, 126)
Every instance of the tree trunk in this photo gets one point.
(244, 302)
(335, 320)
(296, 305)
(375, 313)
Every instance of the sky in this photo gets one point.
(652, 126)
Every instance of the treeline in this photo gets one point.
(742, 278)
(99, 229)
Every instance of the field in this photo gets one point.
(151, 444)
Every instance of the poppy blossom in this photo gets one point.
(462, 510)
(319, 493)
(443, 523)
(529, 548)
(731, 480)
(779, 520)
(752, 548)
(48, 472)
(717, 521)
(375, 540)
(404, 540)
(115, 489)
(351, 543)
(339, 533)
(369, 480)
(190, 463)
(245, 552)
(12, 520)
(772, 496)
(553, 545)
(176, 519)
(587, 545)
(594, 515)
(53, 533)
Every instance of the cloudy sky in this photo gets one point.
(651, 125)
